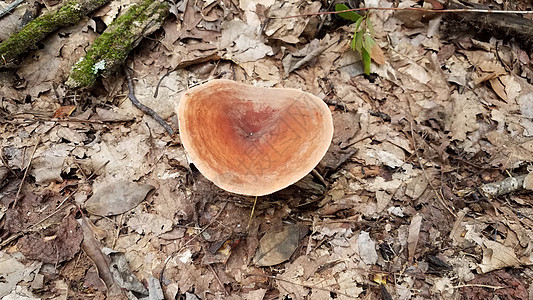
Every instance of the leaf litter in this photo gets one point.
(402, 202)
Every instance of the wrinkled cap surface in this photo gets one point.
(252, 140)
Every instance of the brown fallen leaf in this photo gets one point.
(497, 256)
(276, 247)
(117, 197)
(92, 248)
(64, 111)
(414, 232)
(377, 55)
(54, 248)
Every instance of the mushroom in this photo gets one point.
(253, 140)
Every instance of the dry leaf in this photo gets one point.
(465, 109)
(289, 30)
(145, 223)
(116, 198)
(92, 249)
(528, 181)
(414, 232)
(277, 247)
(61, 246)
(367, 248)
(497, 256)
(64, 111)
(46, 167)
(377, 54)
(12, 272)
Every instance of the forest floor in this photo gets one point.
(97, 200)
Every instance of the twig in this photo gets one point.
(495, 287)
(301, 284)
(317, 175)
(218, 279)
(145, 109)
(159, 83)
(10, 7)
(192, 85)
(251, 214)
(25, 173)
(457, 10)
(19, 120)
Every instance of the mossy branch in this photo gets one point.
(69, 13)
(111, 48)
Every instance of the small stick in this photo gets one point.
(218, 279)
(251, 214)
(495, 287)
(10, 7)
(23, 120)
(25, 173)
(145, 109)
(457, 10)
(159, 83)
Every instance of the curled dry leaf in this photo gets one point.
(92, 248)
(12, 272)
(497, 256)
(116, 198)
(122, 273)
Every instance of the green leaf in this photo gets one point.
(368, 43)
(369, 26)
(353, 43)
(349, 15)
(358, 24)
(359, 41)
(366, 61)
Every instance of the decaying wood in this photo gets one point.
(68, 13)
(506, 186)
(109, 50)
(503, 26)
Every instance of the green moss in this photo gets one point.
(70, 12)
(114, 45)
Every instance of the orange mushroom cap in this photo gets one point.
(253, 140)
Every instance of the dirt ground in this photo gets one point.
(424, 193)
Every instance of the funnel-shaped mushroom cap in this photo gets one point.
(252, 140)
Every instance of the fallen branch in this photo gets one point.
(110, 49)
(10, 7)
(70, 12)
(506, 186)
(145, 109)
(501, 26)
